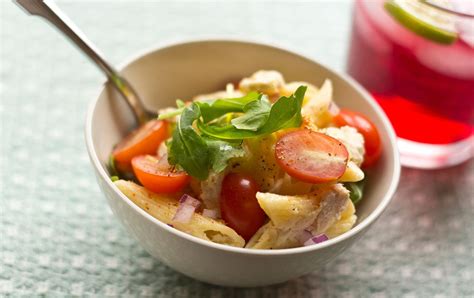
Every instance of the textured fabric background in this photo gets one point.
(58, 237)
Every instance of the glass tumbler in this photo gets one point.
(416, 57)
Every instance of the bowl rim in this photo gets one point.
(364, 224)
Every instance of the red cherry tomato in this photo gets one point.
(239, 205)
(157, 175)
(143, 140)
(373, 145)
(311, 156)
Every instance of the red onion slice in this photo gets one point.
(316, 240)
(211, 213)
(187, 207)
(187, 199)
(184, 213)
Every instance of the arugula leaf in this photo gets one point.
(212, 147)
(285, 113)
(170, 114)
(256, 115)
(219, 107)
(196, 154)
(180, 103)
(356, 190)
(187, 148)
(221, 152)
(115, 173)
(111, 166)
(214, 109)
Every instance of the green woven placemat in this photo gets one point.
(58, 236)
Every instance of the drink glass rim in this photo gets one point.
(446, 9)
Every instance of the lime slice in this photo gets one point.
(424, 20)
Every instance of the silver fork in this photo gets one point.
(50, 12)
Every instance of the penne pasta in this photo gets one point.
(290, 216)
(352, 174)
(267, 81)
(316, 108)
(164, 208)
(290, 88)
(345, 223)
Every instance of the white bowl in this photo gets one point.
(187, 69)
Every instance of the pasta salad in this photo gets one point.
(263, 164)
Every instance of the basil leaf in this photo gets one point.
(219, 107)
(285, 113)
(221, 152)
(256, 115)
(187, 148)
(356, 190)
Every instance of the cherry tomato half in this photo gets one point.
(311, 156)
(373, 145)
(157, 175)
(143, 140)
(239, 205)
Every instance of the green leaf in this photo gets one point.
(187, 148)
(221, 152)
(256, 115)
(180, 103)
(111, 166)
(170, 114)
(226, 132)
(356, 190)
(198, 154)
(219, 107)
(214, 109)
(285, 113)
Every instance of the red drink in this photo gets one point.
(426, 88)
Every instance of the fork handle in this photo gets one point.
(49, 11)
